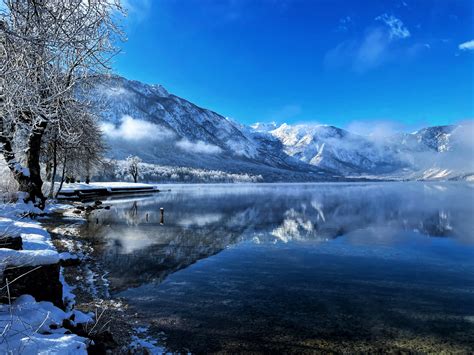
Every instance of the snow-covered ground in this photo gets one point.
(37, 246)
(170, 174)
(28, 326)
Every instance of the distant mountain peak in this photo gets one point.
(264, 126)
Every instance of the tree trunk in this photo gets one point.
(62, 176)
(28, 183)
(34, 186)
(55, 165)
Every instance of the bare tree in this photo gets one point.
(47, 47)
(133, 167)
(80, 156)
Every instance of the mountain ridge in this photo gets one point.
(164, 129)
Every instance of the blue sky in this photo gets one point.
(354, 63)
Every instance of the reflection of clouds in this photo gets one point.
(128, 241)
(318, 206)
(200, 219)
(444, 220)
(247, 217)
(304, 212)
(440, 187)
(376, 220)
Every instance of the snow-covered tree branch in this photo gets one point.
(133, 167)
(47, 50)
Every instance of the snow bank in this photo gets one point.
(31, 327)
(22, 258)
(37, 246)
(27, 326)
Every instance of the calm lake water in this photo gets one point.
(297, 267)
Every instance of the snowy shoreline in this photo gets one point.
(31, 326)
(27, 325)
(51, 243)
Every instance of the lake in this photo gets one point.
(297, 267)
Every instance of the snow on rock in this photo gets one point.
(9, 257)
(27, 326)
(142, 342)
(37, 246)
(31, 327)
(147, 344)
(68, 256)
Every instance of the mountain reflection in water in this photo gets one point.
(306, 267)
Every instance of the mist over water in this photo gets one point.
(297, 267)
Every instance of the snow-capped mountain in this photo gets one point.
(433, 152)
(336, 149)
(264, 126)
(166, 130)
(437, 138)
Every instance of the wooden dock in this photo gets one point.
(81, 191)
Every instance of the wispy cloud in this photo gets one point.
(402, 4)
(380, 43)
(345, 23)
(198, 147)
(375, 129)
(396, 27)
(361, 54)
(467, 46)
(372, 50)
(136, 130)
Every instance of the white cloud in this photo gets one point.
(375, 129)
(131, 129)
(372, 51)
(361, 54)
(378, 45)
(396, 27)
(114, 91)
(345, 23)
(467, 46)
(198, 147)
